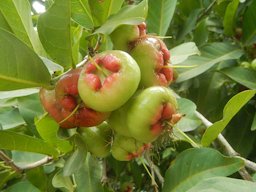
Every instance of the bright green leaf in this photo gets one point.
(3, 23)
(54, 32)
(20, 67)
(224, 184)
(160, 14)
(242, 76)
(181, 52)
(211, 54)
(132, 14)
(231, 108)
(229, 18)
(18, 16)
(193, 165)
(14, 141)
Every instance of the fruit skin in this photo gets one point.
(97, 139)
(123, 36)
(153, 58)
(127, 148)
(253, 64)
(116, 89)
(149, 112)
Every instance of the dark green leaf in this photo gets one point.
(160, 15)
(20, 67)
(132, 14)
(231, 108)
(229, 18)
(193, 165)
(54, 32)
(201, 33)
(253, 127)
(246, 77)
(223, 184)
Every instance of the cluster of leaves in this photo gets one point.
(208, 41)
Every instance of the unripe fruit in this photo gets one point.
(124, 36)
(127, 148)
(97, 139)
(153, 58)
(108, 80)
(253, 64)
(150, 112)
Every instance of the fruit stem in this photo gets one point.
(71, 114)
(179, 66)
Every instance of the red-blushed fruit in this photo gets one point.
(124, 36)
(108, 80)
(153, 58)
(127, 148)
(97, 139)
(150, 112)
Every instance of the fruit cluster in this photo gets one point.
(119, 99)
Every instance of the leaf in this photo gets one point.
(48, 128)
(90, 176)
(229, 18)
(223, 184)
(201, 33)
(3, 23)
(101, 10)
(253, 127)
(17, 93)
(132, 14)
(18, 16)
(10, 118)
(22, 186)
(160, 14)
(21, 158)
(62, 182)
(243, 76)
(53, 67)
(14, 141)
(193, 165)
(249, 26)
(54, 32)
(80, 12)
(230, 109)
(181, 52)
(20, 67)
(210, 55)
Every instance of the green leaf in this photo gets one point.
(14, 141)
(80, 12)
(249, 24)
(18, 16)
(132, 14)
(48, 128)
(201, 33)
(181, 52)
(17, 93)
(193, 165)
(211, 54)
(54, 32)
(20, 67)
(223, 184)
(22, 186)
(10, 117)
(3, 23)
(160, 14)
(243, 76)
(230, 109)
(62, 182)
(253, 127)
(21, 158)
(53, 67)
(90, 176)
(101, 10)
(229, 18)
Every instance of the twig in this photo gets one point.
(8, 161)
(43, 161)
(205, 12)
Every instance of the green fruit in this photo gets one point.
(123, 36)
(150, 112)
(127, 148)
(108, 80)
(253, 64)
(97, 139)
(245, 64)
(153, 58)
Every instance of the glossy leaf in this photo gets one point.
(48, 128)
(201, 33)
(211, 54)
(21, 158)
(160, 15)
(249, 26)
(181, 52)
(193, 165)
(229, 18)
(101, 10)
(243, 76)
(54, 32)
(18, 16)
(132, 14)
(20, 67)
(231, 108)
(14, 141)
(17, 93)
(62, 182)
(10, 117)
(81, 13)
(223, 184)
